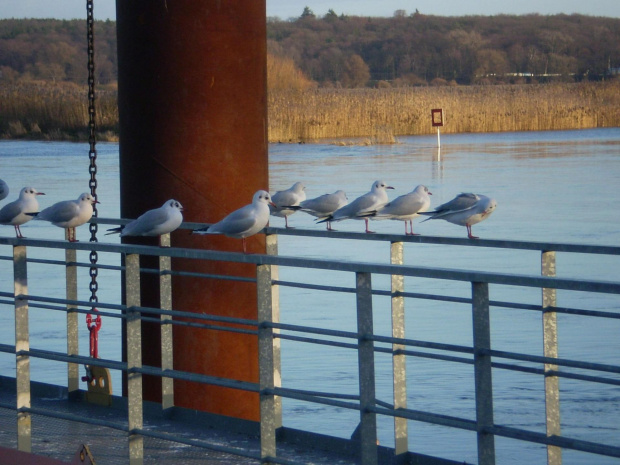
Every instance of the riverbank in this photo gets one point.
(45, 111)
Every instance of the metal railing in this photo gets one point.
(269, 331)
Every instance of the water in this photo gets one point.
(550, 186)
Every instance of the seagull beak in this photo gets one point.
(273, 205)
(430, 193)
(40, 193)
(389, 187)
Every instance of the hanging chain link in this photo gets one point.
(92, 153)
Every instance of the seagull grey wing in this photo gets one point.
(9, 211)
(403, 205)
(284, 198)
(363, 204)
(60, 212)
(459, 203)
(237, 222)
(323, 205)
(146, 222)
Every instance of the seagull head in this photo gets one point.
(380, 185)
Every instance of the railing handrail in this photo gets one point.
(269, 330)
(332, 265)
(418, 239)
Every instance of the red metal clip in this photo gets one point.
(94, 333)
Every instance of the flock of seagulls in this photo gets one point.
(466, 209)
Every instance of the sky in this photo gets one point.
(285, 9)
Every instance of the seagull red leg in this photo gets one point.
(469, 234)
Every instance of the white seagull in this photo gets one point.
(244, 222)
(69, 214)
(324, 205)
(162, 220)
(16, 213)
(4, 190)
(362, 206)
(290, 197)
(465, 209)
(406, 207)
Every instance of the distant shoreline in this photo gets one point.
(46, 111)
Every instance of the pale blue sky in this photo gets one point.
(284, 9)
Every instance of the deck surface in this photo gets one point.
(60, 439)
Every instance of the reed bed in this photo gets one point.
(379, 115)
(370, 116)
(48, 111)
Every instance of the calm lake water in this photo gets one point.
(550, 186)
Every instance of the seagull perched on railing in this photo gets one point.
(323, 205)
(4, 190)
(16, 213)
(69, 214)
(244, 222)
(162, 220)
(283, 200)
(405, 208)
(465, 209)
(364, 205)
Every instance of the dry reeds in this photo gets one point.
(367, 113)
(370, 116)
(49, 111)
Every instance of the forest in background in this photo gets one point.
(351, 51)
(323, 81)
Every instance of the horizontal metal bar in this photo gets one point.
(440, 240)
(190, 324)
(560, 441)
(553, 361)
(198, 378)
(426, 417)
(77, 418)
(79, 359)
(386, 269)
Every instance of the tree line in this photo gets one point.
(351, 51)
(417, 49)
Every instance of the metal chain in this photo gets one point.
(92, 153)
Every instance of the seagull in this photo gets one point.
(69, 214)
(16, 213)
(244, 222)
(367, 203)
(4, 190)
(406, 207)
(285, 199)
(162, 220)
(465, 209)
(324, 205)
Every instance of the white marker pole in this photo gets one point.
(438, 139)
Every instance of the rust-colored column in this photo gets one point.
(193, 110)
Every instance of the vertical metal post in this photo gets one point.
(165, 303)
(73, 380)
(366, 364)
(550, 349)
(482, 372)
(272, 249)
(22, 343)
(134, 358)
(268, 417)
(399, 360)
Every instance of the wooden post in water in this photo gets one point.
(193, 127)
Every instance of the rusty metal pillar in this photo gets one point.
(193, 127)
